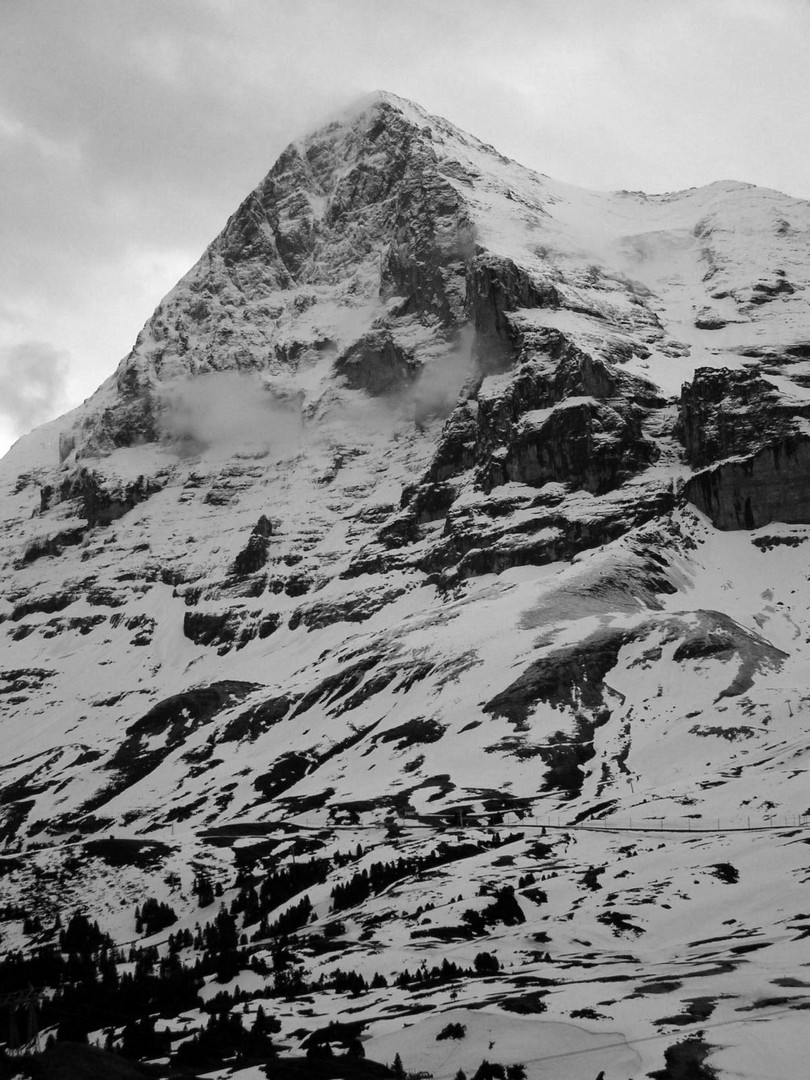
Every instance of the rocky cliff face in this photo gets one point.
(436, 492)
(728, 413)
(739, 415)
(767, 486)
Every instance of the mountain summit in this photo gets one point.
(436, 494)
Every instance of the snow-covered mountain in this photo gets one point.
(439, 495)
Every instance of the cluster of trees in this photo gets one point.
(153, 917)
(290, 981)
(369, 882)
(83, 937)
(504, 909)
(219, 935)
(94, 990)
(32, 925)
(494, 1071)
(205, 891)
(90, 992)
(89, 985)
(140, 1040)
(183, 939)
(224, 1036)
(274, 890)
(218, 943)
(294, 918)
(448, 971)
(344, 1034)
(353, 983)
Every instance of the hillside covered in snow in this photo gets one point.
(420, 613)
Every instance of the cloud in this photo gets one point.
(439, 384)
(228, 410)
(239, 411)
(32, 384)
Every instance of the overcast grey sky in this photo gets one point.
(131, 129)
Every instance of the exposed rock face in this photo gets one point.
(355, 608)
(377, 364)
(581, 442)
(727, 413)
(738, 414)
(563, 416)
(770, 485)
(489, 535)
(100, 502)
(497, 287)
(232, 628)
(330, 209)
(254, 554)
(557, 418)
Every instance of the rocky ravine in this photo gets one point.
(396, 515)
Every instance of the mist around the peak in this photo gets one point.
(437, 387)
(233, 411)
(430, 395)
(228, 410)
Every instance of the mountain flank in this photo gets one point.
(403, 652)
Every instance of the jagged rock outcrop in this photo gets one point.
(559, 417)
(496, 288)
(254, 554)
(100, 501)
(376, 363)
(581, 442)
(739, 415)
(364, 211)
(771, 485)
(228, 629)
(730, 413)
(510, 528)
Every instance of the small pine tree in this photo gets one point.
(355, 1049)
(260, 1023)
(398, 1068)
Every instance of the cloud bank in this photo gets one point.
(228, 410)
(32, 385)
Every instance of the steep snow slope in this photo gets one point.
(396, 516)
